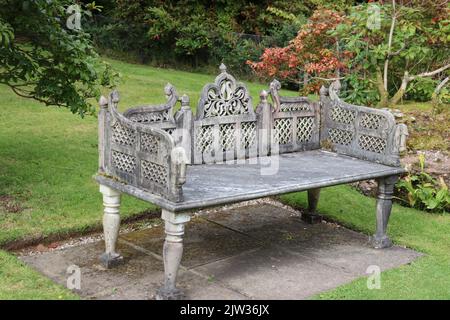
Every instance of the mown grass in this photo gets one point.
(48, 156)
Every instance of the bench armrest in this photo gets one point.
(362, 132)
(138, 154)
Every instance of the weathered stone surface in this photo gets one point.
(252, 252)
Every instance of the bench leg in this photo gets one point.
(384, 205)
(111, 224)
(313, 199)
(172, 253)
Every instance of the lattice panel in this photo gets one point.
(154, 172)
(248, 134)
(341, 137)
(305, 127)
(283, 130)
(204, 138)
(122, 135)
(123, 162)
(295, 106)
(227, 136)
(371, 121)
(373, 144)
(149, 143)
(149, 117)
(342, 115)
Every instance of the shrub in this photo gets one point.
(424, 192)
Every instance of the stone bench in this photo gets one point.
(229, 152)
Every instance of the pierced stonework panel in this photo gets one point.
(149, 143)
(122, 135)
(154, 172)
(204, 138)
(305, 127)
(123, 162)
(283, 130)
(371, 121)
(372, 144)
(342, 137)
(169, 130)
(342, 115)
(224, 97)
(149, 117)
(295, 106)
(248, 134)
(227, 136)
(226, 100)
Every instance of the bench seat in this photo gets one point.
(215, 184)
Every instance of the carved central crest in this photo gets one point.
(225, 97)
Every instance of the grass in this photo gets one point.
(18, 281)
(48, 156)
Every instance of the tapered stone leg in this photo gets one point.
(313, 199)
(111, 224)
(384, 205)
(172, 253)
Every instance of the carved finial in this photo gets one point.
(336, 86)
(103, 102)
(275, 85)
(323, 91)
(401, 134)
(185, 101)
(115, 98)
(169, 89)
(263, 95)
(223, 68)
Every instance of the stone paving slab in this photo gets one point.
(260, 251)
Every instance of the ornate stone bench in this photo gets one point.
(229, 153)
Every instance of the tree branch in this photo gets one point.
(428, 74)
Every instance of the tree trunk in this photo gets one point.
(383, 103)
(388, 56)
(400, 92)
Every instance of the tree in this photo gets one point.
(378, 50)
(312, 57)
(409, 43)
(41, 58)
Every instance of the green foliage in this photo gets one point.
(44, 60)
(425, 192)
(419, 44)
(195, 33)
(421, 89)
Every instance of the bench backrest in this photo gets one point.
(295, 122)
(225, 126)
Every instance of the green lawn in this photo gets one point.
(48, 156)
